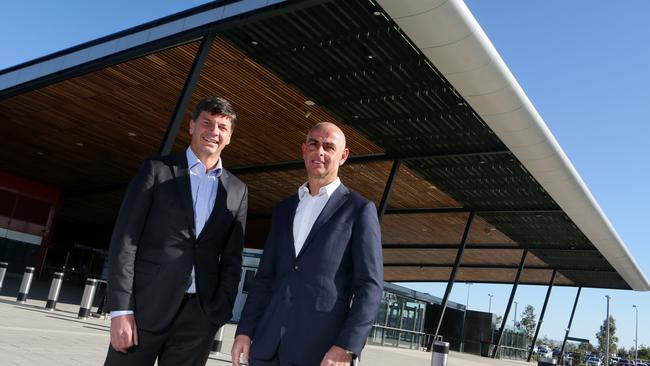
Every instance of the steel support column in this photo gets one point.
(512, 298)
(541, 316)
(186, 93)
(568, 328)
(385, 198)
(452, 276)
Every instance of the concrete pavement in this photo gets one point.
(31, 335)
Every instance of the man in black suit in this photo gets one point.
(175, 255)
(319, 284)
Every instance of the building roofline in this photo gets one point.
(448, 34)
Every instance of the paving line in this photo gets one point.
(40, 330)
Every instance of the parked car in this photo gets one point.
(544, 352)
(593, 361)
(568, 359)
(641, 364)
(624, 362)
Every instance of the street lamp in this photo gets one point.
(490, 303)
(462, 329)
(514, 320)
(636, 333)
(490, 311)
(467, 301)
(607, 331)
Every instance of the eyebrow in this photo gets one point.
(324, 143)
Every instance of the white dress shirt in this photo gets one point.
(204, 184)
(309, 208)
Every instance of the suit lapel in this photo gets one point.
(289, 217)
(182, 175)
(338, 198)
(220, 204)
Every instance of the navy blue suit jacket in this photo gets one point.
(328, 294)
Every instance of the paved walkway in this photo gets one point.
(31, 335)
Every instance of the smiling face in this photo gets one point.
(323, 153)
(210, 135)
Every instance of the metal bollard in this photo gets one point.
(87, 298)
(440, 352)
(55, 288)
(25, 285)
(218, 341)
(3, 271)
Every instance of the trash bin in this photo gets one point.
(440, 352)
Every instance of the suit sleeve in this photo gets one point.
(260, 293)
(126, 238)
(231, 257)
(367, 280)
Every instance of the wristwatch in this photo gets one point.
(351, 354)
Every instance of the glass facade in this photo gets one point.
(399, 322)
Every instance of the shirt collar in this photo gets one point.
(196, 166)
(328, 190)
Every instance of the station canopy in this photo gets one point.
(416, 86)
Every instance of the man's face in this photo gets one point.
(210, 134)
(324, 152)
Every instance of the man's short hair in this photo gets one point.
(215, 105)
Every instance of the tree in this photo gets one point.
(570, 347)
(528, 321)
(644, 352)
(623, 353)
(499, 320)
(578, 354)
(586, 347)
(545, 340)
(601, 336)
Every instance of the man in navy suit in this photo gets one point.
(319, 284)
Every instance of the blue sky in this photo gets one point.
(583, 64)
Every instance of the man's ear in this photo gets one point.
(344, 156)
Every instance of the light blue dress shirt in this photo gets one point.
(205, 184)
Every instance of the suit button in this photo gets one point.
(295, 268)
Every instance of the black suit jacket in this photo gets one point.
(328, 294)
(154, 245)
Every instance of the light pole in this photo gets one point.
(490, 303)
(514, 320)
(462, 329)
(607, 331)
(636, 333)
(490, 311)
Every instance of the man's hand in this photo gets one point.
(124, 333)
(336, 356)
(241, 346)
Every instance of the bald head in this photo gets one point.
(328, 125)
(323, 152)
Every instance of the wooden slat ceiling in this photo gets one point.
(97, 111)
(88, 134)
